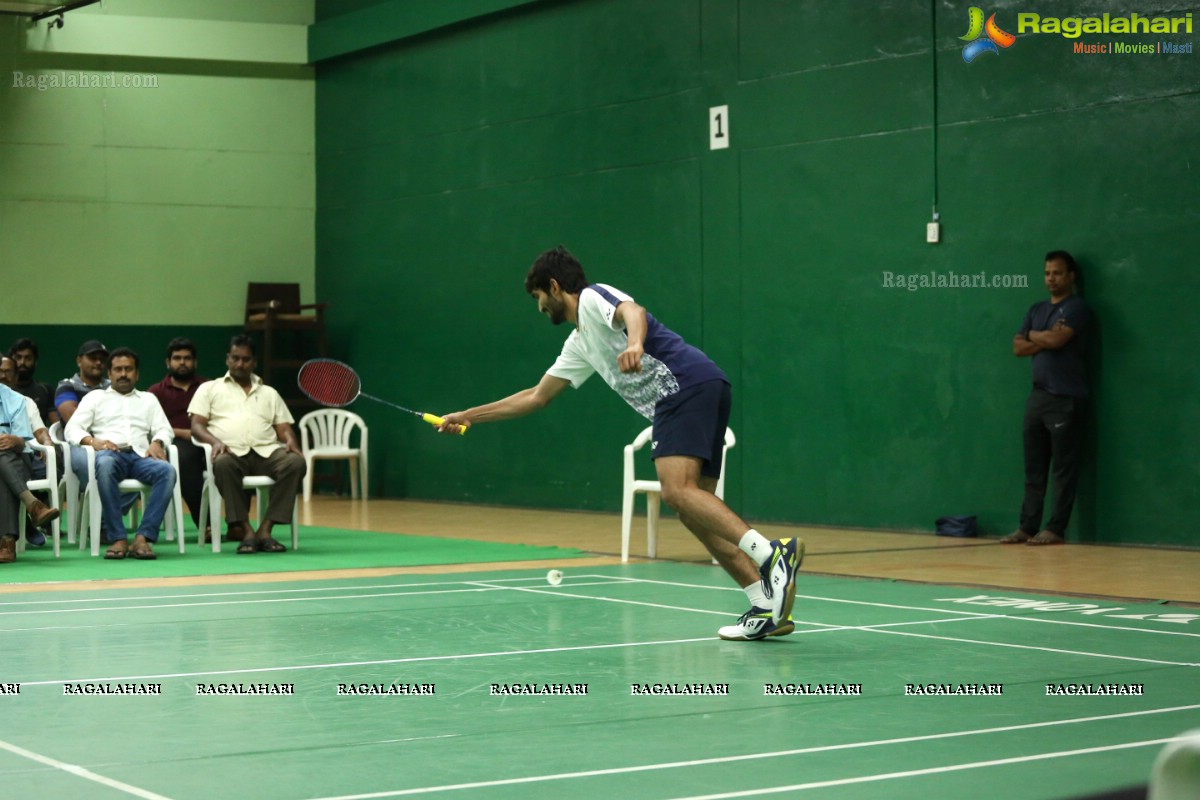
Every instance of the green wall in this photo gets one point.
(183, 170)
(447, 160)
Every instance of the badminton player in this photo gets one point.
(686, 396)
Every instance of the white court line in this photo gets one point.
(255, 592)
(875, 629)
(81, 772)
(604, 580)
(560, 593)
(482, 587)
(127, 609)
(822, 627)
(981, 614)
(826, 627)
(751, 756)
(379, 662)
(912, 773)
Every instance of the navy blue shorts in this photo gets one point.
(692, 423)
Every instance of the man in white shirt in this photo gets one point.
(250, 430)
(687, 398)
(130, 434)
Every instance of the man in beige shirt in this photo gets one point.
(250, 430)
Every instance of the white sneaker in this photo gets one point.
(755, 624)
(779, 576)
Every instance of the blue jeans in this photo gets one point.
(79, 467)
(112, 467)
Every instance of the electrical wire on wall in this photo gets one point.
(935, 219)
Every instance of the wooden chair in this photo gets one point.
(275, 307)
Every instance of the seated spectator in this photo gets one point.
(15, 432)
(37, 465)
(130, 434)
(91, 362)
(250, 430)
(24, 353)
(174, 393)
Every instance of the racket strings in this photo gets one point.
(330, 383)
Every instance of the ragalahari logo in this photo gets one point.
(994, 37)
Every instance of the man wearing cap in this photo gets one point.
(91, 376)
(91, 363)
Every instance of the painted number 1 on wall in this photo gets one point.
(718, 127)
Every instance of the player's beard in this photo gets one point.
(557, 311)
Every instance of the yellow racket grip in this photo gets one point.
(436, 421)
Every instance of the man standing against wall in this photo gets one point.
(1054, 335)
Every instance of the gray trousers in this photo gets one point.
(14, 477)
(285, 467)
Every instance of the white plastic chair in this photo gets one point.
(89, 499)
(210, 502)
(48, 484)
(68, 488)
(653, 491)
(327, 434)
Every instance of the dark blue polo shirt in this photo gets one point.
(1061, 371)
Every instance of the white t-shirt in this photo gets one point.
(669, 364)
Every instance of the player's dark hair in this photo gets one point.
(123, 352)
(1066, 258)
(560, 265)
(180, 343)
(242, 340)
(24, 344)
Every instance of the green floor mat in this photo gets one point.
(320, 548)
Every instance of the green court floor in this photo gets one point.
(472, 686)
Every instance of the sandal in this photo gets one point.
(143, 552)
(113, 554)
(248, 545)
(269, 545)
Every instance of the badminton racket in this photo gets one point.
(332, 383)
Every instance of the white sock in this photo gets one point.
(758, 598)
(757, 546)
